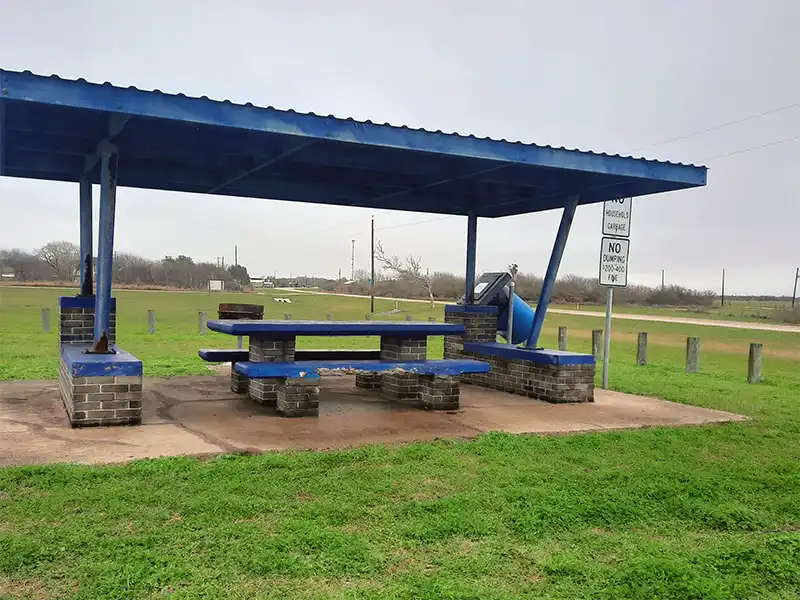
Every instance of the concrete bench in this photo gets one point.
(294, 386)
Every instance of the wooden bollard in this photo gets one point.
(287, 317)
(562, 339)
(45, 320)
(151, 322)
(432, 319)
(368, 317)
(239, 342)
(408, 318)
(201, 322)
(329, 317)
(692, 354)
(641, 348)
(597, 344)
(754, 363)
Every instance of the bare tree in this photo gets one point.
(63, 258)
(409, 269)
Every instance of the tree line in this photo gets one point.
(59, 262)
(395, 277)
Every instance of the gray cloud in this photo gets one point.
(613, 76)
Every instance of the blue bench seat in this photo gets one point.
(306, 368)
(234, 355)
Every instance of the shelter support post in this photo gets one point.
(86, 236)
(472, 245)
(105, 245)
(552, 270)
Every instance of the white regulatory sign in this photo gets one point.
(617, 217)
(614, 262)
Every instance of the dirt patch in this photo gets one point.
(23, 589)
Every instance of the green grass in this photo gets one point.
(700, 512)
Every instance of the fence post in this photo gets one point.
(562, 338)
(201, 322)
(692, 354)
(754, 363)
(151, 322)
(45, 320)
(641, 349)
(597, 344)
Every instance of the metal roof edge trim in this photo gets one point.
(26, 86)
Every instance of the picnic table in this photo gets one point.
(274, 372)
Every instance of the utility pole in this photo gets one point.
(236, 255)
(340, 275)
(723, 287)
(796, 277)
(662, 280)
(372, 266)
(352, 260)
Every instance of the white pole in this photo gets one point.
(607, 352)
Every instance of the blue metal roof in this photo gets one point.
(50, 127)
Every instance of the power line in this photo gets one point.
(720, 126)
(752, 148)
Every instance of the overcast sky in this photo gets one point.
(618, 76)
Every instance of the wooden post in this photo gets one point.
(597, 344)
(239, 342)
(692, 354)
(201, 322)
(408, 318)
(151, 322)
(45, 320)
(287, 317)
(432, 319)
(329, 317)
(754, 363)
(562, 338)
(641, 349)
(368, 317)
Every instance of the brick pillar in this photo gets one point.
(91, 396)
(298, 397)
(404, 387)
(480, 323)
(240, 384)
(439, 392)
(368, 381)
(76, 320)
(265, 391)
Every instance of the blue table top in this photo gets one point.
(334, 328)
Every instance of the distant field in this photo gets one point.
(737, 310)
(675, 514)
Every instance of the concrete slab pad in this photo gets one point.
(201, 416)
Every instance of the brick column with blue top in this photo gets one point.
(96, 389)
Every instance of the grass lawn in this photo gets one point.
(701, 512)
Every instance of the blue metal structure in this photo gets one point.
(72, 130)
(472, 248)
(552, 270)
(87, 249)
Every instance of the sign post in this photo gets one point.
(614, 249)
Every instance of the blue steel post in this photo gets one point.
(472, 245)
(552, 270)
(105, 241)
(86, 230)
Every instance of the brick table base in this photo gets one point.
(439, 392)
(403, 387)
(265, 391)
(298, 397)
